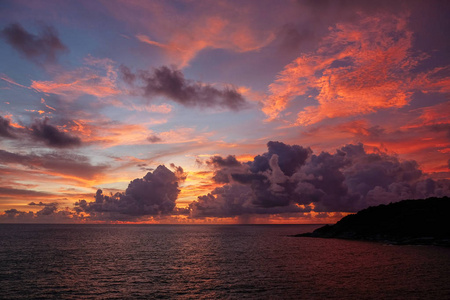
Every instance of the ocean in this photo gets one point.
(211, 262)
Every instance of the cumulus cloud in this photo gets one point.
(258, 186)
(293, 179)
(52, 136)
(41, 48)
(170, 83)
(154, 194)
(48, 214)
(47, 208)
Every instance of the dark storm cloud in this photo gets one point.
(233, 200)
(61, 163)
(5, 128)
(259, 186)
(53, 137)
(41, 48)
(291, 178)
(290, 158)
(154, 194)
(169, 82)
(223, 167)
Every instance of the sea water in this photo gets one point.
(211, 262)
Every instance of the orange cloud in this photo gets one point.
(97, 78)
(358, 69)
(15, 125)
(46, 105)
(109, 133)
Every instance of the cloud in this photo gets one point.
(41, 49)
(109, 133)
(42, 204)
(258, 186)
(183, 32)
(154, 194)
(13, 214)
(170, 83)
(97, 78)
(53, 137)
(359, 68)
(154, 139)
(6, 128)
(58, 164)
(8, 191)
(48, 214)
(218, 161)
(293, 179)
(48, 208)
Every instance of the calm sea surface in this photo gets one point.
(210, 262)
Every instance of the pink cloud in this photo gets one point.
(182, 35)
(97, 78)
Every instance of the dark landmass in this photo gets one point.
(408, 222)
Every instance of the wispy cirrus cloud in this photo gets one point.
(183, 33)
(96, 78)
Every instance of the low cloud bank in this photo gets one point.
(293, 179)
(285, 179)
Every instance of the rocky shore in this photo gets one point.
(408, 222)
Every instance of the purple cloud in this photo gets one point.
(41, 48)
(52, 136)
(292, 179)
(168, 82)
(154, 194)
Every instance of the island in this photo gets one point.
(408, 222)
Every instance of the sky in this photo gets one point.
(220, 111)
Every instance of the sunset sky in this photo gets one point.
(221, 111)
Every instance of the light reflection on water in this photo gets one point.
(217, 261)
